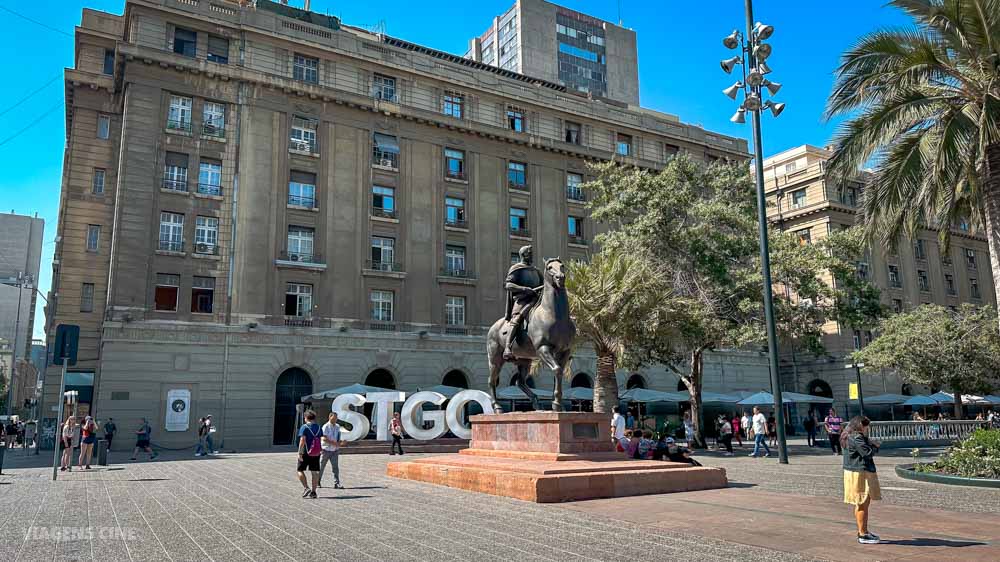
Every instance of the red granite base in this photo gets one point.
(542, 457)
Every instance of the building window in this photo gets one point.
(515, 119)
(303, 135)
(87, 297)
(623, 144)
(453, 104)
(517, 174)
(573, 189)
(298, 300)
(514, 258)
(869, 337)
(385, 151)
(790, 167)
(202, 294)
(171, 232)
(895, 281)
(302, 190)
(109, 61)
(974, 288)
(798, 198)
(949, 283)
(206, 235)
(454, 163)
(305, 69)
(98, 184)
(384, 88)
(919, 249)
(518, 220)
(165, 294)
(848, 195)
(857, 339)
(218, 49)
(383, 253)
(179, 114)
(863, 270)
(185, 42)
(300, 243)
(454, 259)
(210, 178)
(175, 171)
(454, 211)
(804, 236)
(970, 258)
(213, 119)
(93, 237)
(922, 281)
(103, 126)
(454, 311)
(897, 305)
(383, 201)
(964, 225)
(575, 229)
(573, 133)
(381, 306)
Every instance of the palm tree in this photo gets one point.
(614, 299)
(924, 111)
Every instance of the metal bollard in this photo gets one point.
(102, 452)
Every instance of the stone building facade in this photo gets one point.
(285, 204)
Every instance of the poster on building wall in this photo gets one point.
(178, 409)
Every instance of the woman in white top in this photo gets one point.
(66, 440)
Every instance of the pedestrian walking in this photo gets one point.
(772, 431)
(746, 425)
(861, 485)
(832, 424)
(396, 429)
(331, 451)
(759, 423)
(618, 428)
(688, 428)
(29, 434)
(88, 436)
(737, 429)
(66, 433)
(200, 449)
(143, 440)
(10, 434)
(310, 449)
(726, 435)
(109, 432)
(810, 426)
(209, 431)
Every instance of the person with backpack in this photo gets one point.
(310, 450)
(109, 431)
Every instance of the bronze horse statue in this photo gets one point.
(548, 337)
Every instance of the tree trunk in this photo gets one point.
(694, 390)
(605, 385)
(958, 403)
(991, 212)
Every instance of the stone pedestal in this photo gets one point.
(552, 457)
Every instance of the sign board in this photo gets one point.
(853, 391)
(66, 345)
(178, 409)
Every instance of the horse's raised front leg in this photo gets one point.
(547, 357)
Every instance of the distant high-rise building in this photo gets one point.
(20, 257)
(542, 40)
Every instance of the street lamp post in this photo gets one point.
(753, 53)
(857, 371)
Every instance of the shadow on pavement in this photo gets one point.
(741, 485)
(934, 542)
(147, 479)
(342, 497)
(366, 487)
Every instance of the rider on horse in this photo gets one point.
(523, 283)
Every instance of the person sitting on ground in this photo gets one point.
(677, 453)
(645, 445)
(633, 444)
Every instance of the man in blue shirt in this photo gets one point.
(309, 452)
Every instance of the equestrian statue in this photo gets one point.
(536, 326)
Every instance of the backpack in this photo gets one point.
(315, 447)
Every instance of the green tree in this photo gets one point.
(699, 227)
(614, 299)
(924, 112)
(935, 346)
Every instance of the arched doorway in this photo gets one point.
(290, 387)
(530, 380)
(381, 378)
(819, 387)
(456, 379)
(635, 381)
(581, 380)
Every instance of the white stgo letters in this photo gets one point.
(413, 415)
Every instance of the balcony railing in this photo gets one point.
(385, 95)
(171, 245)
(520, 186)
(393, 267)
(454, 175)
(175, 125)
(456, 223)
(175, 185)
(300, 257)
(522, 232)
(383, 213)
(924, 430)
(209, 189)
(206, 249)
(300, 201)
(382, 326)
(458, 273)
(213, 130)
(385, 159)
(299, 321)
(302, 145)
(575, 194)
(574, 239)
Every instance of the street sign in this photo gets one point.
(67, 344)
(853, 391)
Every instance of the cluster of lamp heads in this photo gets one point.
(753, 78)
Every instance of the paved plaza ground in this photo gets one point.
(248, 506)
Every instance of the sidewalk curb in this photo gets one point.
(906, 471)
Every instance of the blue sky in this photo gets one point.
(679, 49)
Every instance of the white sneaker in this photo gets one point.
(766, 454)
(868, 539)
